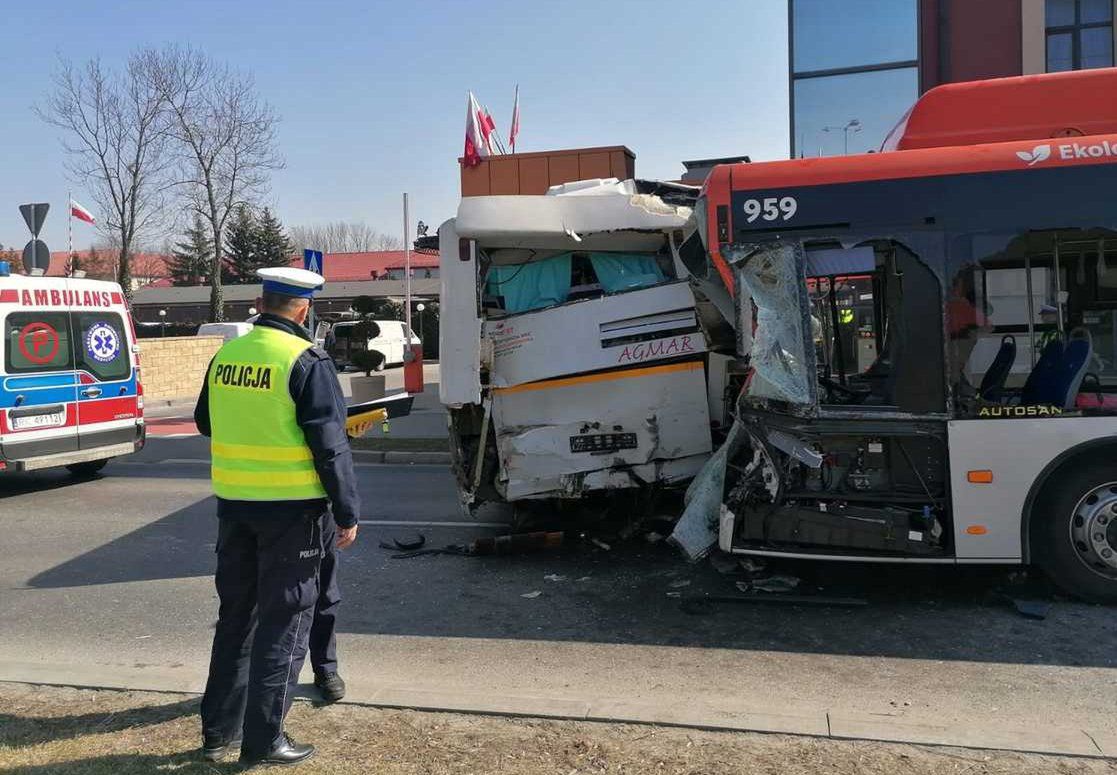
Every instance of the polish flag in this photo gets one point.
(479, 126)
(81, 213)
(515, 130)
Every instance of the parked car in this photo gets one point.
(389, 340)
(226, 331)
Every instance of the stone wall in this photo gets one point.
(175, 367)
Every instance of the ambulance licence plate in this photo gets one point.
(49, 420)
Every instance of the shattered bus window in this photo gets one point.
(782, 367)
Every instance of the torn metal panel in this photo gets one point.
(564, 218)
(625, 329)
(696, 532)
(551, 433)
(459, 334)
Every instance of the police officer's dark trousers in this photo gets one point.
(323, 643)
(267, 582)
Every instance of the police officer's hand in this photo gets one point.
(346, 536)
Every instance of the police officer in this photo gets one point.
(273, 409)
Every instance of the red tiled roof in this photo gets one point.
(353, 267)
(143, 264)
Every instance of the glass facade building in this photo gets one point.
(856, 66)
(854, 72)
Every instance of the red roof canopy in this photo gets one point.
(1027, 107)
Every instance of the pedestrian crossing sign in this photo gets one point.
(312, 261)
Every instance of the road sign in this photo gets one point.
(34, 215)
(312, 260)
(36, 255)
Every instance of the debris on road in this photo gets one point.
(405, 546)
(775, 583)
(753, 565)
(554, 577)
(679, 583)
(725, 564)
(531, 595)
(600, 544)
(516, 543)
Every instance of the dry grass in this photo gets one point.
(71, 731)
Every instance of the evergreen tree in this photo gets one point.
(190, 259)
(241, 245)
(272, 246)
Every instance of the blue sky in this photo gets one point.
(372, 94)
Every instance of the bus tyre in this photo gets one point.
(1078, 538)
(84, 470)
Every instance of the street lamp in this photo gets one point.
(419, 308)
(852, 127)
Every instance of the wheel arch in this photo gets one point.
(1068, 458)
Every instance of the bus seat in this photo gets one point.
(993, 383)
(1040, 383)
(1070, 372)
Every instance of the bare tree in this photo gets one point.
(113, 126)
(343, 237)
(224, 135)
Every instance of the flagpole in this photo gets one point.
(515, 114)
(407, 272)
(69, 233)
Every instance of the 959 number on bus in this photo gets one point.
(771, 208)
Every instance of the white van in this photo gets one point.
(390, 341)
(70, 392)
(227, 331)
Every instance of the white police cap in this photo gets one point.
(291, 281)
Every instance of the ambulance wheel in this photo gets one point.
(84, 470)
(1078, 540)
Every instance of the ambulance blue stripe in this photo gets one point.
(40, 380)
(41, 389)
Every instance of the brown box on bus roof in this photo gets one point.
(534, 173)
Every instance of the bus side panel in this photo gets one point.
(987, 517)
(459, 331)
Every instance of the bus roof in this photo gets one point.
(1027, 107)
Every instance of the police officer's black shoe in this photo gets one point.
(216, 750)
(331, 686)
(286, 752)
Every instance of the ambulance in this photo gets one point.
(70, 392)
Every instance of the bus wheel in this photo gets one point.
(84, 470)
(1080, 547)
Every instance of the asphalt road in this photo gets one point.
(115, 573)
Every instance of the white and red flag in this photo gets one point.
(81, 213)
(515, 130)
(479, 126)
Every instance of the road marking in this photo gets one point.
(405, 523)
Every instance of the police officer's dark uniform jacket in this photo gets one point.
(274, 410)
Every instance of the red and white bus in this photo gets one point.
(933, 350)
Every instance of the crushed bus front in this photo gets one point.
(577, 359)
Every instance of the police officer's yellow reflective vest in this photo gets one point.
(258, 449)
